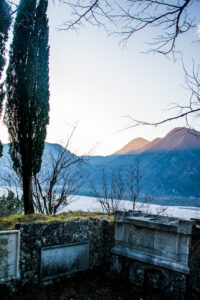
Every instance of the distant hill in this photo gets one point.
(179, 139)
(6, 162)
(132, 146)
(170, 166)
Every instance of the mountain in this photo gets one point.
(178, 139)
(170, 166)
(50, 150)
(132, 146)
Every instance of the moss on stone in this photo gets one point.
(10, 222)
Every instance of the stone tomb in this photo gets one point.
(61, 260)
(9, 254)
(154, 251)
(157, 240)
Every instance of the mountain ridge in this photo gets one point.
(177, 139)
(170, 166)
(133, 145)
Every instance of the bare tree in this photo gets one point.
(110, 192)
(170, 18)
(171, 21)
(133, 182)
(192, 110)
(60, 177)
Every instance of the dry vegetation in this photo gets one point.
(10, 222)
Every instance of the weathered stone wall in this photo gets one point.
(194, 263)
(99, 234)
(172, 284)
(139, 252)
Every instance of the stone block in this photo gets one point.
(9, 254)
(156, 240)
(61, 260)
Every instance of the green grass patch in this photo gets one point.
(9, 223)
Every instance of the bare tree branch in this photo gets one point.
(192, 83)
(110, 191)
(59, 178)
(131, 16)
(133, 182)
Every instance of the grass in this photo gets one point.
(9, 223)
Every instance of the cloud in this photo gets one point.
(198, 30)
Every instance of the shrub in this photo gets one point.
(10, 205)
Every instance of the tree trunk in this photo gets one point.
(28, 195)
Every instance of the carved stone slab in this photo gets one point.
(61, 260)
(9, 254)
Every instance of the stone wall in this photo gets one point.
(194, 262)
(35, 237)
(161, 253)
(172, 284)
(72, 246)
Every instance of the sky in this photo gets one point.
(96, 83)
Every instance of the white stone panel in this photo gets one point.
(9, 254)
(60, 260)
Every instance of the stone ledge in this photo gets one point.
(150, 259)
(155, 222)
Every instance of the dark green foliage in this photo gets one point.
(2, 95)
(27, 106)
(10, 205)
(5, 22)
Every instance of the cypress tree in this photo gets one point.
(5, 22)
(27, 107)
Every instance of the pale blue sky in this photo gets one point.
(96, 82)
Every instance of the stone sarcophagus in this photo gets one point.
(156, 240)
(158, 252)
